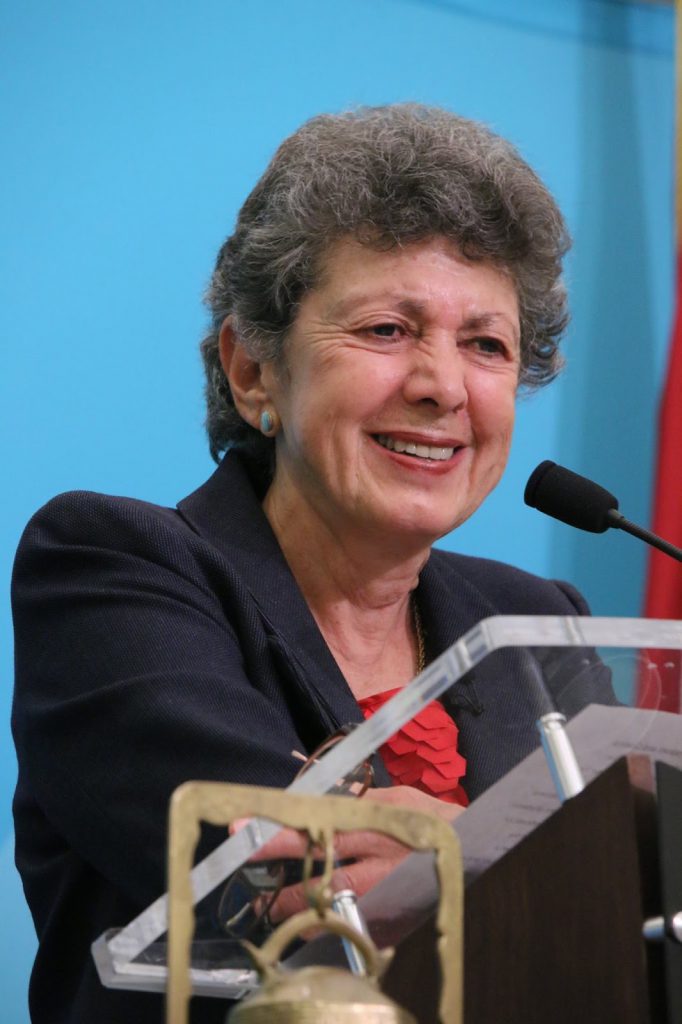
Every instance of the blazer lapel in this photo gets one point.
(226, 511)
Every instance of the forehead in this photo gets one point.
(412, 279)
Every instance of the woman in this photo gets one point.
(393, 279)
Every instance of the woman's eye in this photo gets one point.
(387, 330)
(489, 346)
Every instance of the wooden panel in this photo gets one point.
(669, 785)
(553, 930)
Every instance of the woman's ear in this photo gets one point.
(244, 375)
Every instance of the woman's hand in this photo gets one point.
(372, 854)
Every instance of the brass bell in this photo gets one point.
(324, 995)
(320, 994)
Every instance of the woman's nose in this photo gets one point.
(437, 375)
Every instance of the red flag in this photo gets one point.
(663, 687)
(664, 582)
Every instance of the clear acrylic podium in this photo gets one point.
(634, 650)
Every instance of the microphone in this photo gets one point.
(577, 501)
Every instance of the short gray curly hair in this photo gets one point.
(387, 176)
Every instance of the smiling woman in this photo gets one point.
(392, 280)
(395, 413)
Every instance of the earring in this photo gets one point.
(267, 423)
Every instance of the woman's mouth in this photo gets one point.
(435, 453)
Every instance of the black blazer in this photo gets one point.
(157, 645)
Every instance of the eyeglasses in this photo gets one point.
(353, 783)
(245, 902)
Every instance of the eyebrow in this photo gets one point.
(410, 307)
(483, 321)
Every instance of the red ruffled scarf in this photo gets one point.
(424, 752)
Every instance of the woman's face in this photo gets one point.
(396, 393)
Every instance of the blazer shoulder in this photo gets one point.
(514, 591)
(90, 512)
(88, 521)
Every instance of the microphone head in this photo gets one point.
(571, 498)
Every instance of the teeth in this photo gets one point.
(421, 451)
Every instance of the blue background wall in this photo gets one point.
(130, 133)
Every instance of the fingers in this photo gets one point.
(289, 844)
(360, 877)
(286, 844)
(415, 800)
(372, 855)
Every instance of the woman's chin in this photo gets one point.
(416, 528)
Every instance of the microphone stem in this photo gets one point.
(619, 522)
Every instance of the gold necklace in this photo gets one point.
(419, 635)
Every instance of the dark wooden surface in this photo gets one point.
(669, 786)
(553, 930)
